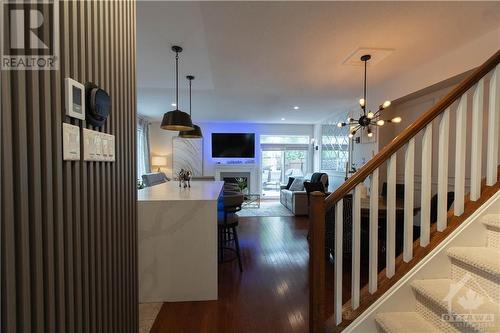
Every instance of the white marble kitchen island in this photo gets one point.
(177, 234)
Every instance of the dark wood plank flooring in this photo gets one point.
(271, 295)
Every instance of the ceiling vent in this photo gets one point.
(354, 59)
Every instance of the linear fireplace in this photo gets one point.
(240, 178)
(242, 183)
(246, 172)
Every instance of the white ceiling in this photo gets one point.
(253, 61)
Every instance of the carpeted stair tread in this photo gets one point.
(463, 300)
(486, 259)
(492, 220)
(404, 322)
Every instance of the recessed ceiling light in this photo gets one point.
(173, 104)
(282, 118)
(296, 107)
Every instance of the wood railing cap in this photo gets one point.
(413, 129)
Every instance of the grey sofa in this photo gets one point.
(296, 201)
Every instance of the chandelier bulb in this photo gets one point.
(370, 115)
(362, 102)
(340, 125)
(396, 120)
(380, 122)
(386, 104)
(370, 134)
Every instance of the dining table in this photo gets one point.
(382, 207)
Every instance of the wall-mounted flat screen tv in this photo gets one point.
(236, 145)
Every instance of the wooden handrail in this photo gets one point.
(412, 130)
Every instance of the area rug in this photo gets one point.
(267, 208)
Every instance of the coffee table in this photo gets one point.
(251, 201)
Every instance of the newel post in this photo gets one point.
(317, 263)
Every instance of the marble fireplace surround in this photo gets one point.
(239, 170)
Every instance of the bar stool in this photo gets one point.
(227, 223)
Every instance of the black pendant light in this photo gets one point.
(177, 120)
(195, 133)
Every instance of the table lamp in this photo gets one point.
(159, 161)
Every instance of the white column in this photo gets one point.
(391, 217)
(460, 142)
(373, 234)
(425, 201)
(408, 203)
(476, 144)
(493, 128)
(444, 138)
(339, 219)
(356, 246)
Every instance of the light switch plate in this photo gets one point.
(88, 145)
(108, 147)
(71, 142)
(98, 146)
(111, 148)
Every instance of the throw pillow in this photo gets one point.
(290, 181)
(297, 185)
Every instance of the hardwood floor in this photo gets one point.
(271, 295)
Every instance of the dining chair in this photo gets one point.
(433, 213)
(400, 191)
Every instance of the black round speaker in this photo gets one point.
(98, 104)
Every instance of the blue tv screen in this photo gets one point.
(234, 145)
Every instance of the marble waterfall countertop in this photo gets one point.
(170, 191)
(177, 234)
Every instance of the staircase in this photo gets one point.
(468, 301)
(464, 122)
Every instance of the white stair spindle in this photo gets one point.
(425, 187)
(356, 246)
(461, 135)
(391, 217)
(444, 132)
(408, 202)
(476, 145)
(373, 232)
(493, 128)
(339, 219)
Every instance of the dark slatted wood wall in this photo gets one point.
(68, 229)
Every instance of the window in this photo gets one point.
(284, 139)
(334, 148)
(142, 147)
(282, 157)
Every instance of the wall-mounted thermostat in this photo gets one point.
(75, 99)
(71, 142)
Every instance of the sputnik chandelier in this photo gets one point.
(367, 119)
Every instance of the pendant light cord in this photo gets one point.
(177, 80)
(364, 91)
(190, 80)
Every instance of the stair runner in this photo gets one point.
(467, 302)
